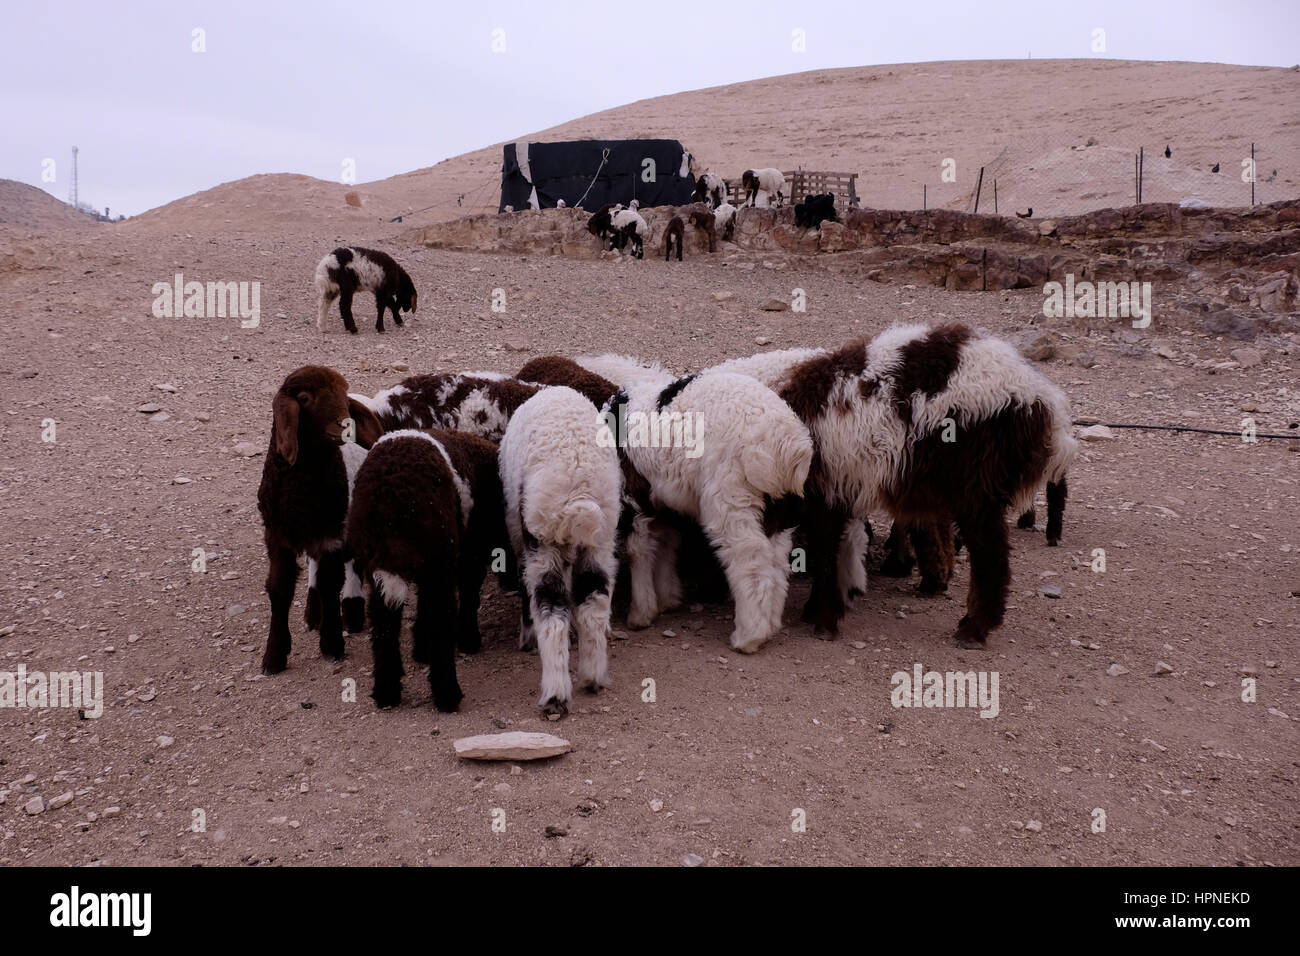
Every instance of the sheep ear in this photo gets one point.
(285, 412)
(367, 422)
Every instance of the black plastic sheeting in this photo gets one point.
(565, 171)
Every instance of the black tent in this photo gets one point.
(594, 172)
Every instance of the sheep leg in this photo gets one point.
(932, 544)
(311, 606)
(759, 577)
(323, 313)
(354, 600)
(898, 561)
(823, 531)
(382, 304)
(1026, 521)
(329, 582)
(549, 595)
(397, 313)
(385, 630)
(668, 585)
(852, 565)
(434, 621)
(592, 583)
(281, 579)
(1056, 493)
(985, 533)
(473, 569)
(641, 547)
(345, 305)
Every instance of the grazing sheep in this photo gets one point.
(351, 268)
(625, 371)
(935, 425)
(676, 232)
(703, 218)
(770, 181)
(558, 370)
(724, 220)
(599, 223)
(742, 484)
(711, 189)
(477, 403)
(562, 493)
(303, 499)
(626, 225)
(427, 510)
(814, 210)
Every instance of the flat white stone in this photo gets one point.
(512, 745)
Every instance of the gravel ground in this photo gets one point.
(97, 539)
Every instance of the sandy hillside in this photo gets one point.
(1028, 121)
(25, 209)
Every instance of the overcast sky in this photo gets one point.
(295, 86)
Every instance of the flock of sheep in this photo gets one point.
(555, 475)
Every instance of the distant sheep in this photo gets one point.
(675, 233)
(427, 511)
(814, 210)
(711, 189)
(562, 490)
(350, 269)
(704, 219)
(627, 225)
(770, 181)
(599, 223)
(319, 437)
(724, 220)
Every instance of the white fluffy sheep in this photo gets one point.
(770, 181)
(724, 220)
(738, 478)
(562, 491)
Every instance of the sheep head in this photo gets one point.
(311, 404)
(406, 295)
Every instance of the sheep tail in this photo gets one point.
(579, 522)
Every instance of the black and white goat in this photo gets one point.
(319, 438)
(478, 403)
(351, 269)
(711, 189)
(770, 182)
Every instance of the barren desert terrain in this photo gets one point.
(1201, 588)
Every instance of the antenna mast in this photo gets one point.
(73, 191)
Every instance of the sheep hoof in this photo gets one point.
(1052, 542)
(856, 593)
(354, 614)
(1026, 521)
(448, 701)
(968, 636)
(895, 567)
(823, 633)
(747, 647)
(470, 643)
(555, 707)
(639, 622)
(332, 648)
(311, 610)
(931, 585)
(274, 665)
(387, 697)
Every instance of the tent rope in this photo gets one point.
(604, 158)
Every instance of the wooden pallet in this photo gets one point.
(805, 182)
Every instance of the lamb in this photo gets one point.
(427, 510)
(676, 232)
(562, 493)
(704, 219)
(626, 225)
(599, 223)
(724, 220)
(711, 189)
(743, 485)
(350, 268)
(477, 403)
(935, 425)
(770, 181)
(303, 499)
(814, 210)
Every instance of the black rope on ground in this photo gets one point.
(1183, 428)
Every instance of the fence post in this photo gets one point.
(978, 186)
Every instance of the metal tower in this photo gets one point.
(73, 191)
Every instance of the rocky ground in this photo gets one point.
(1123, 694)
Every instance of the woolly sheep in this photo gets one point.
(562, 493)
(770, 181)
